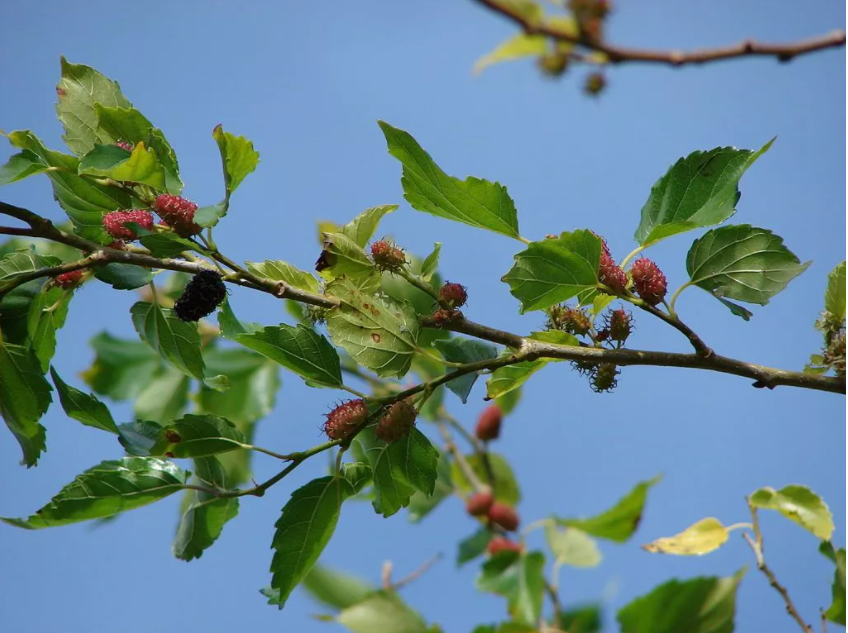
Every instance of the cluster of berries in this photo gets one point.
(452, 296)
(396, 422)
(203, 293)
(649, 282)
(175, 212)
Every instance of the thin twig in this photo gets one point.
(463, 464)
(621, 54)
(756, 544)
(415, 575)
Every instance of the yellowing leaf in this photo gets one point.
(522, 45)
(699, 538)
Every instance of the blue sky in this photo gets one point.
(307, 83)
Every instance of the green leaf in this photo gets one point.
(110, 161)
(108, 489)
(399, 469)
(138, 437)
(299, 349)
(123, 276)
(736, 309)
(164, 244)
(508, 401)
(80, 88)
(209, 216)
(130, 125)
(422, 303)
(587, 619)
(377, 332)
(47, 314)
(282, 271)
(85, 202)
(164, 397)
(121, 368)
(699, 190)
(700, 538)
(382, 612)
(231, 327)
(505, 379)
(572, 547)
(798, 503)
(176, 341)
(421, 504)
(237, 156)
(363, 226)
(23, 261)
(198, 436)
(520, 579)
(551, 271)
(619, 522)
(342, 257)
(506, 486)
(334, 588)
(24, 398)
(83, 407)
(305, 527)
(699, 605)
(431, 263)
(201, 525)
(464, 350)
(517, 47)
(742, 262)
(834, 296)
(836, 611)
(20, 166)
(473, 201)
(474, 545)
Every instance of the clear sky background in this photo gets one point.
(307, 82)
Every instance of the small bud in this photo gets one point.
(553, 64)
(478, 504)
(124, 145)
(442, 316)
(619, 324)
(595, 84)
(172, 436)
(571, 320)
(504, 516)
(610, 274)
(604, 378)
(387, 256)
(453, 294)
(503, 544)
(66, 281)
(345, 419)
(489, 423)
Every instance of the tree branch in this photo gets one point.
(620, 54)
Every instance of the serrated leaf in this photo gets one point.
(834, 296)
(108, 489)
(176, 341)
(123, 276)
(138, 437)
(506, 488)
(203, 520)
(464, 350)
(141, 165)
(619, 522)
(305, 527)
(421, 504)
(798, 503)
(342, 257)
(198, 436)
(422, 303)
(742, 262)
(586, 619)
(83, 407)
(163, 244)
(399, 469)
(431, 263)
(335, 588)
(23, 261)
(23, 165)
(299, 349)
(121, 368)
(362, 228)
(427, 188)
(699, 605)
(520, 579)
(699, 190)
(744, 313)
(551, 271)
(230, 325)
(473, 546)
(836, 611)
(699, 538)
(505, 379)
(517, 47)
(80, 88)
(24, 398)
(237, 156)
(572, 547)
(377, 332)
(47, 314)
(84, 201)
(382, 612)
(164, 397)
(285, 272)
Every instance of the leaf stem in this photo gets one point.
(673, 299)
(419, 283)
(632, 254)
